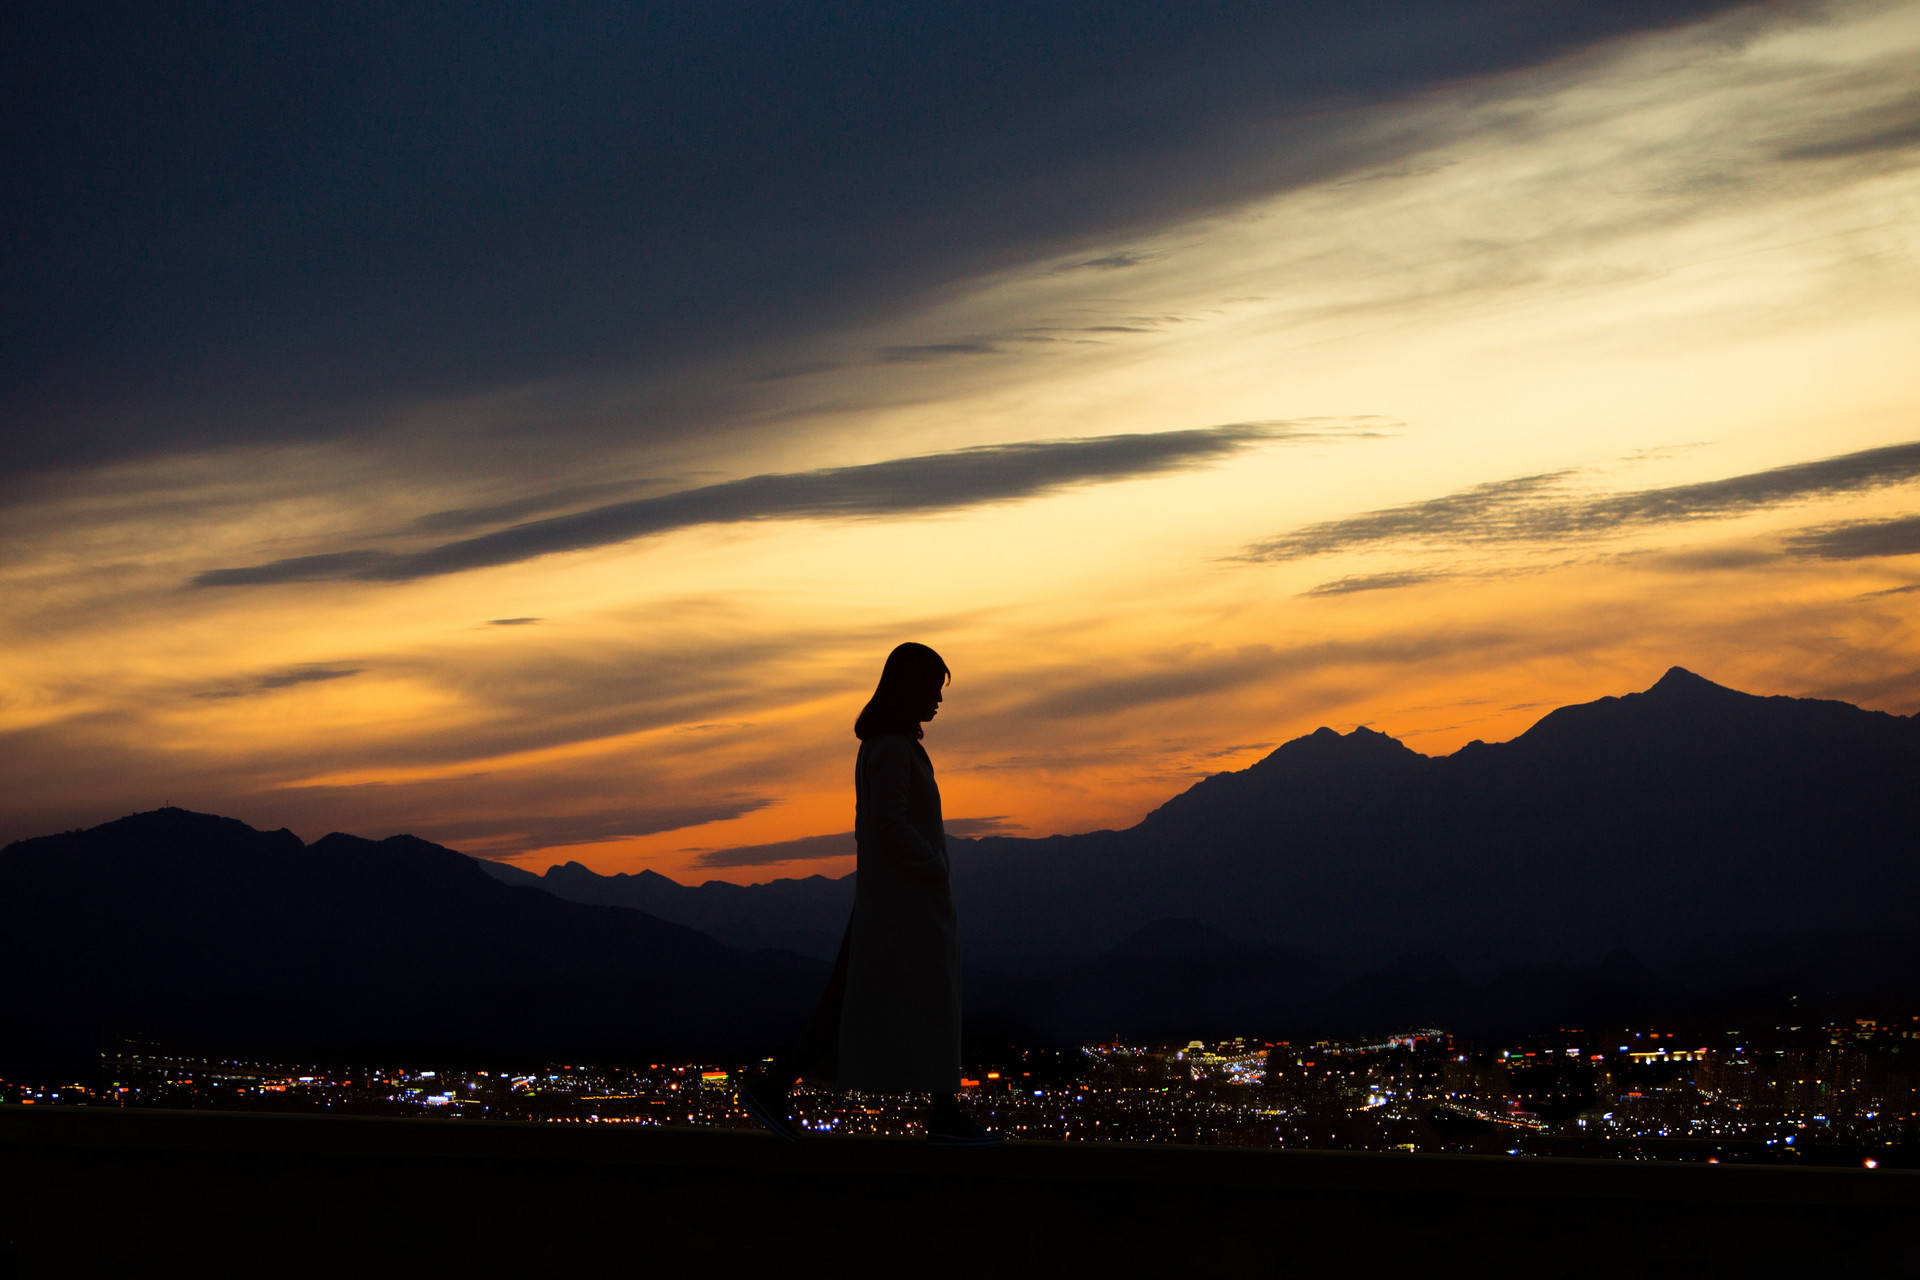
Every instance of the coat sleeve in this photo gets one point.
(889, 792)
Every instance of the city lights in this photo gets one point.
(1842, 1094)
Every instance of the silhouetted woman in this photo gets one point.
(891, 1012)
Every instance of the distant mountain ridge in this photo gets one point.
(1629, 821)
(1725, 840)
(1663, 785)
(203, 931)
(1660, 850)
(800, 915)
(1719, 837)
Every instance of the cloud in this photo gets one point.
(285, 678)
(992, 825)
(1659, 452)
(1374, 582)
(1707, 559)
(513, 622)
(838, 845)
(1885, 126)
(936, 351)
(1108, 262)
(998, 342)
(503, 812)
(316, 568)
(1888, 690)
(200, 258)
(1859, 539)
(1543, 509)
(804, 849)
(562, 687)
(1175, 681)
(1177, 676)
(1461, 516)
(903, 486)
(551, 689)
(505, 837)
(88, 768)
(460, 519)
(306, 674)
(1233, 750)
(786, 372)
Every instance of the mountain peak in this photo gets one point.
(171, 824)
(1328, 744)
(174, 818)
(1680, 684)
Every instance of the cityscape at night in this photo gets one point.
(1842, 1093)
(960, 638)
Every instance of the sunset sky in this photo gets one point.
(530, 427)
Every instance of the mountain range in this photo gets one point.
(202, 933)
(1640, 853)
(1686, 849)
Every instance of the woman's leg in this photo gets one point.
(815, 1057)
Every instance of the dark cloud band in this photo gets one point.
(549, 831)
(285, 678)
(838, 845)
(1179, 676)
(1859, 540)
(1540, 508)
(903, 486)
(804, 849)
(1372, 582)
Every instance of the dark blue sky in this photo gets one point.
(231, 222)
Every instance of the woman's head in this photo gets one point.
(908, 692)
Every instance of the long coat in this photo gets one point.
(900, 1023)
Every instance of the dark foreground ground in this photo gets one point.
(82, 1191)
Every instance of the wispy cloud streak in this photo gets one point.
(1539, 508)
(1859, 540)
(927, 351)
(1893, 126)
(903, 486)
(1107, 262)
(1177, 676)
(511, 835)
(803, 849)
(840, 844)
(1373, 582)
(286, 678)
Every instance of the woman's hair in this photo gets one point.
(911, 670)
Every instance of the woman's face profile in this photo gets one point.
(930, 706)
